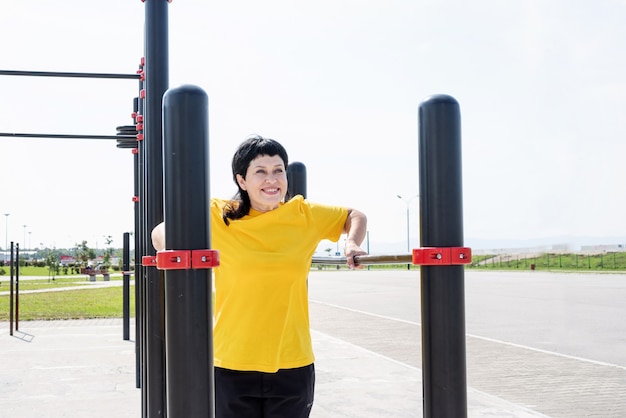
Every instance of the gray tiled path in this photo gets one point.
(548, 383)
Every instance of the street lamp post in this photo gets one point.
(24, 241)
(6, 236)
(408, 236)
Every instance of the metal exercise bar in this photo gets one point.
(69, 74)
(431, 256)
(367, 259)
(67, 136)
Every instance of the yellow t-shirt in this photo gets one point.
(261, 315)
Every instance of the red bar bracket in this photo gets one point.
(444, 256)
(149, 261)
(205, 259)
(182, 259)
(173, 260)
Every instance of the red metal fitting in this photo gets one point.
(142, 93)
(139, 119)
(135, 199)
(149, 261)
(135, 150)
(444, 256)
(205, 259)
(173, 260)
(133, 115)
(183, 259)
(139, 127)
(139, 137)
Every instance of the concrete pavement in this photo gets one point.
(83, 368)
(367, 366)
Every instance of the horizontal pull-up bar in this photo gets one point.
(428, 256)
(420, 256)
(367, 259)
(69, 74)
(67, 136)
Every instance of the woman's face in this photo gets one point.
(265, 182)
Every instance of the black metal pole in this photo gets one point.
(126, 286)
(139, 270)
(296, 178)
(11, 307)
(188, 313)
(141, 278)
(442, 287)
(17, 286)
(156, 83)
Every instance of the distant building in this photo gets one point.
(67, 260)
(611, 248)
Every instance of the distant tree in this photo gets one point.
(52, 261)
(108, 252)
(84, 253)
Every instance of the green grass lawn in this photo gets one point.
(70, 281)
(71, 304)
(615, 261)
(37, 271)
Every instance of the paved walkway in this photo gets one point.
(367, 367)
(77, 369)
(531, 380)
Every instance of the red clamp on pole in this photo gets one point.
(183, 259)
(173, 260)
(149, 261)
(205, 259)
(444, 256)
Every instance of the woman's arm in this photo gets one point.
(356, 229)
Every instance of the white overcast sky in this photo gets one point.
(541, 86)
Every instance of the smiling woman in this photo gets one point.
(261, 323)
(265, 182)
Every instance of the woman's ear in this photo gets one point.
(241, 181)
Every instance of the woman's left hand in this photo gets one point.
(352, 250)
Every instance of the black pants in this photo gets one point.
(288, 393)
